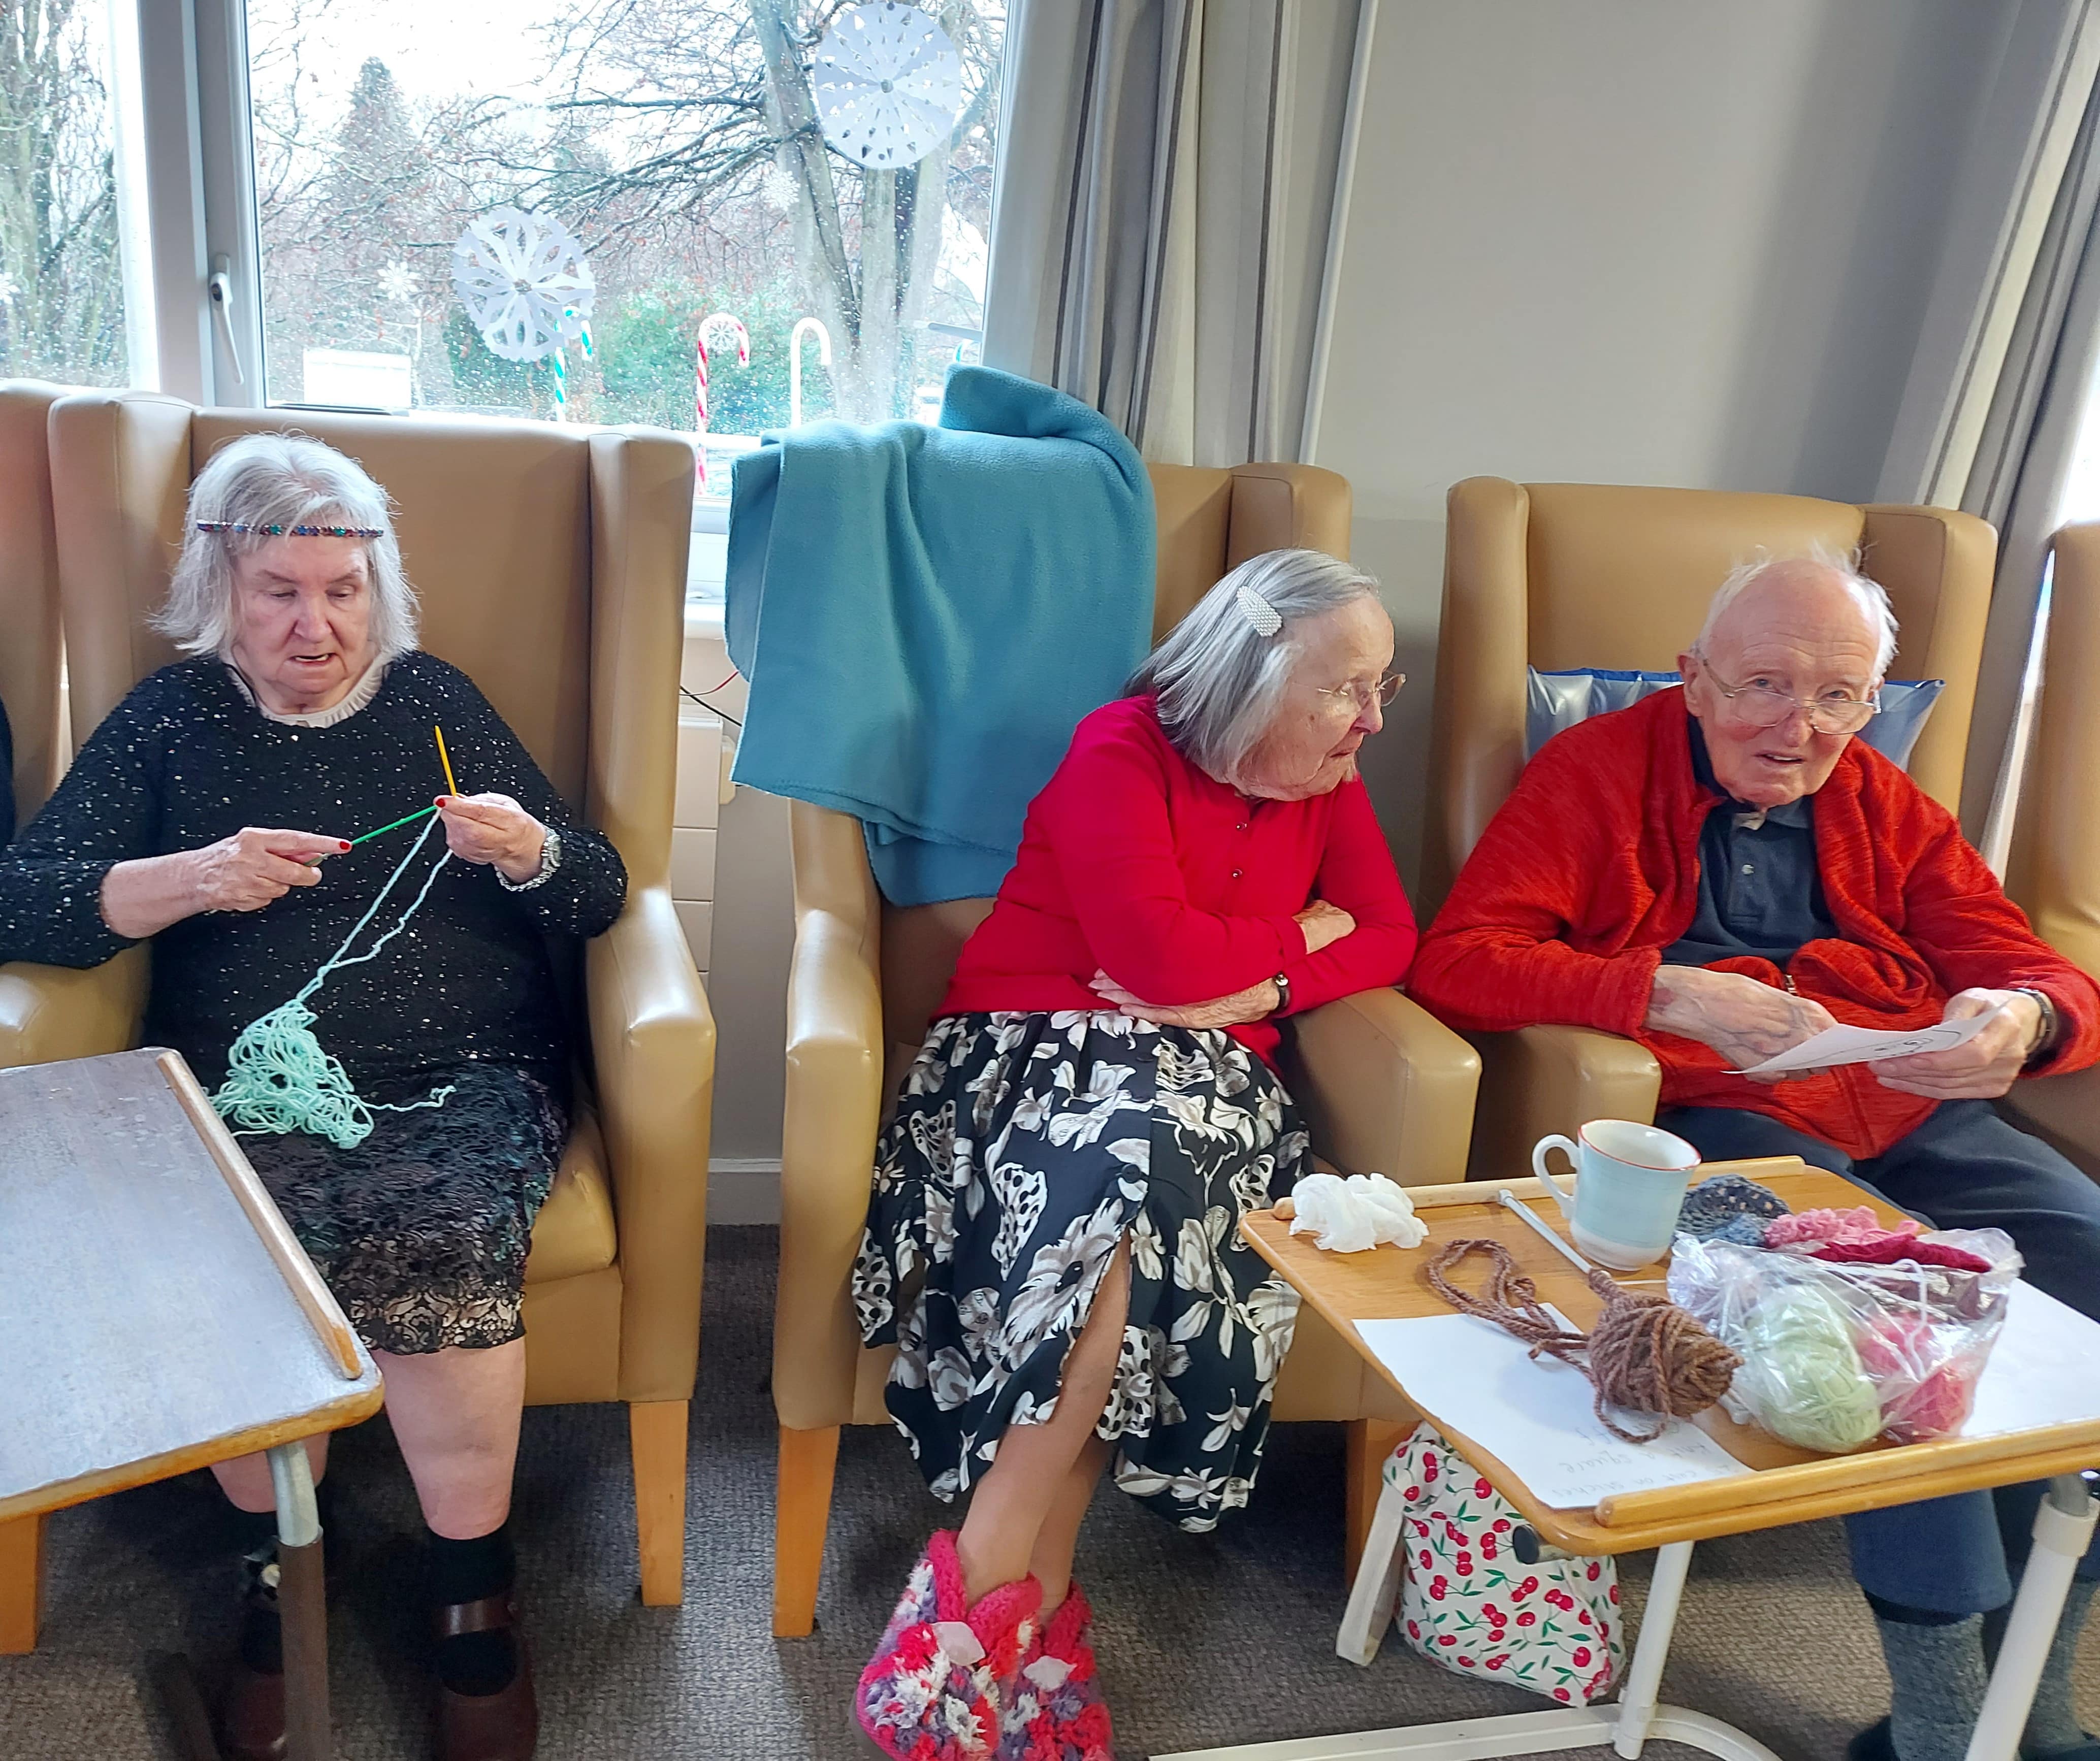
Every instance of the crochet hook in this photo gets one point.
(1534, 1221)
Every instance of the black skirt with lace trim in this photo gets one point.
(421, 1230)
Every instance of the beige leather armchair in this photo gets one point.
(551, 564)
(1572, 574)
(1383, 1086)
(2054, 873)
(28, 593)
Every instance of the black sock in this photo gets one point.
(466, 1571)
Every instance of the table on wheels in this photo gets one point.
(157, 1316)
(1785, 1486)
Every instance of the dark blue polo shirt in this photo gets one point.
(1759, 892)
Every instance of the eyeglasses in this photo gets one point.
(1761, 706)
(1362, 696)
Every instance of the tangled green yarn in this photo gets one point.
(278, 1077)
(1801, 1377)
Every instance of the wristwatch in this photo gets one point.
(550, 860)
(1282, 994)
(2045, 1035)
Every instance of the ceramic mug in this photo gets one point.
(1629, 1185)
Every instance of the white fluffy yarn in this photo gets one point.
(1351, 1215)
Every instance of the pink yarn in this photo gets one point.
(1840, 1228)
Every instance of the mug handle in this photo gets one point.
(1538, 1152)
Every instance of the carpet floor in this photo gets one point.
(1205, 1640)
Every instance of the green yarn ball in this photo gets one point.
(1801, 1377)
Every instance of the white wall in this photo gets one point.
(1678, 242)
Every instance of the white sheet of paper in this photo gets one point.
(1863, 1045)
(1534, 1416)
(2044, 1370)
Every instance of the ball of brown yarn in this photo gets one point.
(1645, 1354)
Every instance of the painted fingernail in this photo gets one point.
(342, 843)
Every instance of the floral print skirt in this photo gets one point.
(1025, 1148)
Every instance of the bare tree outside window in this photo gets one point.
(679, 140)
(61, 280)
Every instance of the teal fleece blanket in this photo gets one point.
(923, 615)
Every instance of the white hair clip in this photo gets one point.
(1265, 617)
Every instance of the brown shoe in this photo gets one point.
(252, 1716)
(503, 1726)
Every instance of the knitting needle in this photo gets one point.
(314, 862)
(451, 786)
(1533, 1221)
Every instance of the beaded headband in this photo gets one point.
(245, 530)
(1266, 619)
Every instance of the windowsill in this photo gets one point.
(703, 618)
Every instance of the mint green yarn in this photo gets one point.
(278, 1077)
(1801, 1377)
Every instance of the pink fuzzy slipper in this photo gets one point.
(936, 1689)
(1055, 1711)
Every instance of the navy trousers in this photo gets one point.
(1964, 1167)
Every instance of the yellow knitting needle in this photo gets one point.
(451, 786)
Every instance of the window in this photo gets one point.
(678, 143)
(62, 295)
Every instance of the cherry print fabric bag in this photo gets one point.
(1468, 1603)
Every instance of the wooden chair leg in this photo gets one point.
(801, 1513)
(21, 1583)
(1371, 1441)
(656, 1441)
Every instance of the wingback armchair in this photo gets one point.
(551, 566)
(2055, 874)
(28, 593)
(1558, 575)
(1385, 1086)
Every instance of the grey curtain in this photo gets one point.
(1166, 168)
(2017, 480)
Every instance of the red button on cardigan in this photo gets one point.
(1125, 867)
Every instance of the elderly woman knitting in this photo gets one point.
(1051, 1243)
(306, 704)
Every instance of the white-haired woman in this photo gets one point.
(1052, 1243)
(306, 703)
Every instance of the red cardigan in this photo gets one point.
(1591, 869)
(1136, 863)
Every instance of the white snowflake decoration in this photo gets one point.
(888, 84)
(522, 277)
(777, 188)
(396, 281)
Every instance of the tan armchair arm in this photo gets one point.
(1385, 1086)
(653, 1043)
(48, 1012)
(1553, 1078)
(2063, 1111)
(834, 1066)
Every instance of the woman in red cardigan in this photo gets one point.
(1052, 1242)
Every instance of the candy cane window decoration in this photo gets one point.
(522, 276)
(714, 323)
(888, 85)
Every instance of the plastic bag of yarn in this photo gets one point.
(1835, 1355)
(1468, 1602)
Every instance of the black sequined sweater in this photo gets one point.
(186, 759)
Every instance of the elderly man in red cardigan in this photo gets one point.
(1722, 871)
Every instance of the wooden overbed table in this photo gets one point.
(157, 1316)
(1787, 1485)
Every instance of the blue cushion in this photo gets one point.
(1556, 701)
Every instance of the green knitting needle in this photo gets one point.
(421, 813)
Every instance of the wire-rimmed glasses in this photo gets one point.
(1761, 706)
(1362, 697)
